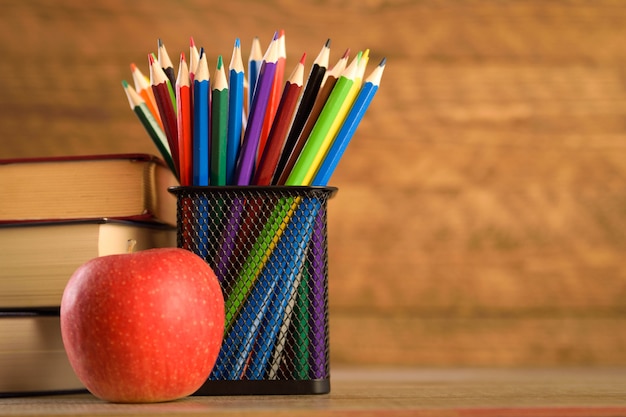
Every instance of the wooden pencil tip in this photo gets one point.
(124, 84)
(327, 44)
(133, 67)
(220, 62)
(151, 59)
(237, 43)
(383, 62)
(201, 53)
(303, 58)
(182, 57)
(160, 42)
(275, 37)
(346, 54)
(191, 42)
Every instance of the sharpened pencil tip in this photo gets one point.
(182, 57)
(124, 84)
(151, 59)
(303, 58)
(327, 44)
(237, 43)
(220, 62)
(133, 67)
(201, 53)
(191, 42)
(346, 54)
(160, 42)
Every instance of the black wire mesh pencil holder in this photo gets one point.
(268, 247)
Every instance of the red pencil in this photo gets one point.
(184, 123)
(159, 83)
(280, 127)
(275, 95)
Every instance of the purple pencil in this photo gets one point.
(318, 297)
(250, 144)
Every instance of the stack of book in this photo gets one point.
(56, 213)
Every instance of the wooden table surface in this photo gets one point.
(387, 392)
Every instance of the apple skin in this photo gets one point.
(144, 326)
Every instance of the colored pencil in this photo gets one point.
(219, 125)
(280, 127)
(201, 94)
(317, 302)
(236, 97)
(167, 111)
(328, 83)
(255, 60)
(275, 95)
(168, 68)
(249, 146)
(142, 86)
(305, 106)
(358, 109)
(306, 164)
(194, 55)
(138, 105)
(184, 122)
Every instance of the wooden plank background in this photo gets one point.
(481, 213)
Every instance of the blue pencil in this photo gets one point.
(254, 66)
(235, 111)
(358, 109)
(201, 94)
(249, 146)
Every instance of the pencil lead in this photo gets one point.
(327, 44)
(133, 67)
(220, 62)
(237, 43)
(346, 54)
(124, 84)
(303, 58)
(191, 42)
(383, 62)
(151, 59)
(159, 42)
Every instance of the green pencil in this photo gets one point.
(219, 125)
(138, 105)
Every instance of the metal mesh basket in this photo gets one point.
(268, 248)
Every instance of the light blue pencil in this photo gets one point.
(349, 126)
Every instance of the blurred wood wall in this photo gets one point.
(481, 213)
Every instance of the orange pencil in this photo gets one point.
(280, 127)
(184, 123)
(142, 87)
(275, 95)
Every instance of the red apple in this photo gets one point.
(144, 326)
